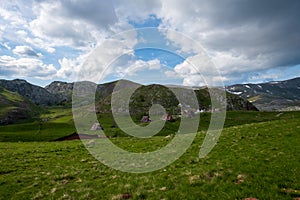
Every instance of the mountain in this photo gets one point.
(61, 93)
(279, 95)
(147, 95)
(36, 94)
(143, 98)
(61, 90)
(14, 107)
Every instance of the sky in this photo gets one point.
(188, 42)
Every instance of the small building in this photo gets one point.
(145, 119)
(167, 118)
(96, 126)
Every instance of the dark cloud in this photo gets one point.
(236, 12)
(253, 28)
(242, 37)
(98, 12)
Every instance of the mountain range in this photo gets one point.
(284, 95)
(275, 95)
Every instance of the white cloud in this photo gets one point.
(268, 76)
(198, 70)
(153, 64)
(97, 64)
(240, 39)
(172, 74)
(81, 26)
(25, 51)
(14, 17)
(15, 28)
(1, 31)
(22, 33)
(25, 67)
(6, 45)
(229, 63)
(137, 65)
(75, 23)
(39, 43)
(61, 31)
(69, 68)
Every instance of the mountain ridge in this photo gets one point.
(274, 95)
(60, 93)
(36, 94)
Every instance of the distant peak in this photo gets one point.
(20, 80)
(58, 82)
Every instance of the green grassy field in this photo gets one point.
(258, 160)
(58, 122)
(257, 156)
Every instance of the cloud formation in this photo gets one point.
(25, 67)
(25, 51)
(244, 39)
(240, 36)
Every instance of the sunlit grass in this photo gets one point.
(258, 160)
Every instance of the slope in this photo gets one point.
(36, 94)
(14, 107)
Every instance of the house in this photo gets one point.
(167, 118)
(145, 119)
(96, 126)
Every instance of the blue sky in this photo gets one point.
(190, 42)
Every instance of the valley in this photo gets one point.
(257, 155)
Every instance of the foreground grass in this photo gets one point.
(253, 160)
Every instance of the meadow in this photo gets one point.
(256, 156)
(58, 122)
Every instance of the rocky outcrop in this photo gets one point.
(36, 94)
(61, 90)
(235, 102)
(279, 95)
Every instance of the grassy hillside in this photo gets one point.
(15, 108)
(258, 160)
(145, 96)
(34, 93)
(58, 122)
